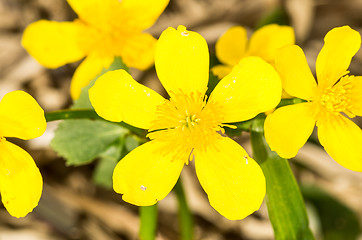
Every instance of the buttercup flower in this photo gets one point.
(187, 126)
(336, 94)
(20, 181)
(234, 45)
(104, 29)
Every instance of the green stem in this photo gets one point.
(71, 114)
(285, 203)
(85, 114)
(185, 216)
(148, 218)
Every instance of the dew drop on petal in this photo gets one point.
(184, 33)
(246, 159)
(143, 188)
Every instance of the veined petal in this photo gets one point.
(138, 51)
(288, 128)
(116, 96)
(341, 138)
(221, 70)
(340, 45)
(53, 44)
(145, 175)
(267, 40)
(20, 181)
(182, 61)
(21, 116)
(230, 47)
(89, 69)
(355, 95)
(233, 181)
(292, 66)
(143, 13)
(97, 13)
(252, 87)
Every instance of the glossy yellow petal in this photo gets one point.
(341, 138)
(221, 70)
(288, 128)
(354, 94)
(143, 13)
(252, 87)
(21, 116)
(138, 51)
(230, 47)
(292, 66)
(89, 69)
(233, 181)
(116, 96)
(267, 40)
(53, 44)
(145, 175)
(97, 13)
(182, 61)
(340, 45)
(20, 181)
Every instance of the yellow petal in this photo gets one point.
(341, 138)
(230, 47)
(292, 66)
(146, 176)
(233, 181)
(135, 14)
(221, 70)
(354, 94)
(138, 51)
(97, 13)
(116, 96)
(53, 44)
(20, 181)
(340, 45)
(143, 13)
(252, 87)
(21, 116)
(89, 69)
(267, 40)
(182, 61)
(288, 128)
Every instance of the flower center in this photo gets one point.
(335, 99)
(186, 123)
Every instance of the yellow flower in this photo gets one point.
(288, 128)
(188, 127)
(20, 181)
(234, 45)
(104, 29)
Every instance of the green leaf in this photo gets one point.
(81, 141)
(108, 160)
(285, 204)
(131, 142)
(337, 220)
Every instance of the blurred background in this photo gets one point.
(74, 207)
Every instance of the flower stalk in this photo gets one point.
(285, 203)
(148, 225)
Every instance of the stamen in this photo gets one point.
(335, 99)
(186, 122)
